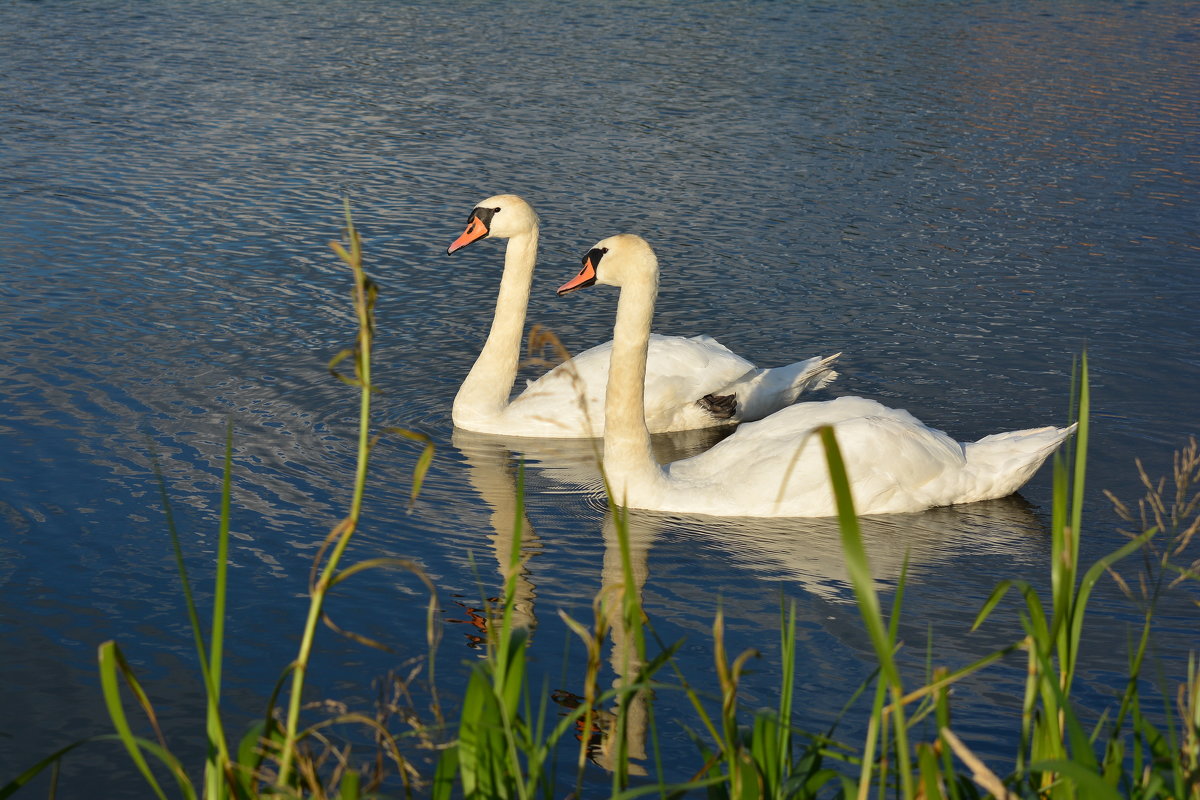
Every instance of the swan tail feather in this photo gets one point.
(1004, 462)
(762, 392)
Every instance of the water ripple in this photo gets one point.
(959, 198)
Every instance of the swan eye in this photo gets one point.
(484, 215)
(594, 255)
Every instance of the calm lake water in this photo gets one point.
(959, 197)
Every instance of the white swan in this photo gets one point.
(693, 383)
(776, 467)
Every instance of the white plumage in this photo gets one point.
(678, 372)
(776, 467)
(568, 401)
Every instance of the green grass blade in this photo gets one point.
(339, 358)
(349, 787)
(672, 789)
(1090, 578)
(216, 768)
(867, 599)
(1090, 785)
(10, 788)
(930, 772)
(856, 558)
(783, 741)
(181, 569)
(478, 718)
(1081, 448)
(111, 669)
(443, 777)
(764, 749)
(992, 601)
(220, 586)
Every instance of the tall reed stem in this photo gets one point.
(364, 298)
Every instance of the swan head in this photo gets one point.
(619, 261)
(502, 216)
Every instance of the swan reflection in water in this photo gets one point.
(570, 465)
(803, 552)
(808, 551)
(567, 464)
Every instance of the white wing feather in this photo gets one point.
(895, 463)
(568, 400)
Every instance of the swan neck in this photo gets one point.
(628, 460)
(485, 391)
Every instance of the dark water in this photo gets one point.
(959, 198)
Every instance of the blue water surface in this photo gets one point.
(961, 198)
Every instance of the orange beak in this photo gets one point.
(586, 277)
(475, 230)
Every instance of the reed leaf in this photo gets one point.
(209, 658)
(868, 603)
(423, 460)
(10, 788)
(1088, 582)
(1083, 415)
(1090, 784)
(671, 790)
(402, 564)
(445, 774)
(771, 735)
(856, 558)
(113, 667)
(216, 769)
(930, 773)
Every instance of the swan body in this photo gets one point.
(692, 382)
(776, 467)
